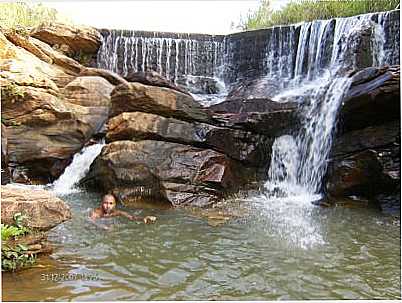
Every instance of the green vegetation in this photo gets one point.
(12, 92)
(22, 14)
(17, 256)
(308, 10)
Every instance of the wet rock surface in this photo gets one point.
(177, 173)
(261, 116)
(365, 157)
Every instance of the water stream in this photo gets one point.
(280, 246)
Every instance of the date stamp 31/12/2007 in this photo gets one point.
(60, 277)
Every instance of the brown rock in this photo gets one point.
(5, 174)
(110, 76)
(177, 173)
(156, 100)
(27, 44)
(357, 175)
(260, 116)
(44, 129)
(154, 79)
(84, 39)
(44, 211)
(88, 91)
(373, 99)
(252, 149)
(69, 65)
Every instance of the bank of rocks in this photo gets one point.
(51, 104)
(163, 145)
(365, 157)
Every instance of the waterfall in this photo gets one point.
(299, 164)
(305, 62)
(173, 56)
(73, 173)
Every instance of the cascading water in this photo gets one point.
(299, 163)
(320, 95)
(65, 184)
(305, 63)
(174, 56)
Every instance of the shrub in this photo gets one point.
(308, 10)
(21, 14)
(17, 256)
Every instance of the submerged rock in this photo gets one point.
(43, 210)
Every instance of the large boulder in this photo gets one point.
(373, 99)
(173, 172)
(49, 113)
(43, 210)
(78, 39)
(162, 101)
(88, 91)
(252, 149)
(110, 76)
(357, 175)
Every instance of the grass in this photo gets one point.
(308, 10)
(23, 14)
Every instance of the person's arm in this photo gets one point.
(147, 219)
(93, 216)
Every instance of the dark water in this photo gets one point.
(276, 250)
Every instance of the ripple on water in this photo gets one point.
(279, 251)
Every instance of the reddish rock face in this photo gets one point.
(365, 157)
(177, 173)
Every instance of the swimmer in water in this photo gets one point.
(108, 209)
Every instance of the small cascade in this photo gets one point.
(73, 173)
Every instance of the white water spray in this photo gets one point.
(66, 183)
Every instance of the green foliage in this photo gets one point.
(23, 14)
(11, 92)
(308, 10)
(13, 258)
(82, 58)
(18, 256)
(13, 231)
